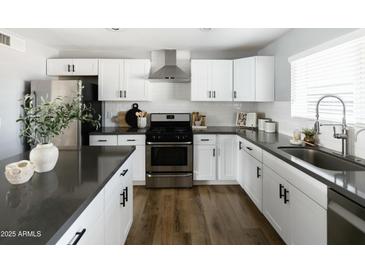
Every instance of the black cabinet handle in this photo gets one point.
(123, 199)
(204, 140)
(258, 175)
(126, 194)
(124, 172)
(69, 68)
(240, 145)
(79, 236)
(281, 188)
(286, 199)
(120, 94)
(249, 148)
(102, 140)
(213, 152)
(73, 68)
(131, 140)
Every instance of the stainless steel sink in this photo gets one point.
(322, 159)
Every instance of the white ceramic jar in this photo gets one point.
(270, 127)
(142, 122)
(44, 157)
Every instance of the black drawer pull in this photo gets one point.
(240, 145)
(69, 68)
(126, 194)
(102, 140)
(286, 199)
(131, 140)
(123, 199)
(281, 188)
(258, 175)
(124, 172)
(79, 236)
(204, 140)
(249, 148)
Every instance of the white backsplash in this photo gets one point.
(280, 112)
(175, 97)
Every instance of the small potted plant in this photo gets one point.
(42, 122)
(309, 135)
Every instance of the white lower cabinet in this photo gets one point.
(205, 162)
(227, 157)
(296, 217)
(108, 218)
(274, 208)
(308, 220)
(139, 155)
(215, 157)
(249, 173)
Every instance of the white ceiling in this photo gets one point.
(151, 39)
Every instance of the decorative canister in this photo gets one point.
(270, 127)
(142, 122)
(262, 122)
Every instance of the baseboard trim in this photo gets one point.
(215, 182)
(139, 183)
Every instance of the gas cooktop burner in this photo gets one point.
(168, 127)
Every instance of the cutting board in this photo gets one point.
(121, 119)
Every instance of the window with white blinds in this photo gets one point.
(338, 70)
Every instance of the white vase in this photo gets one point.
(44, 157)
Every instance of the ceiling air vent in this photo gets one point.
(11, 41)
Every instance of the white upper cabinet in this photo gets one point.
(253, 79)
(123, 80)
(211, 80)
(135, 79)
(72, 67)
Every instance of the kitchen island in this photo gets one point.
(42, 210)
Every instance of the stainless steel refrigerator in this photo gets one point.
(77, 134)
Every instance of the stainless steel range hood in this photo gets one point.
(170, 66)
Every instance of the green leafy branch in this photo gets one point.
(43, 122)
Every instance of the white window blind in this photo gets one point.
(338, 70)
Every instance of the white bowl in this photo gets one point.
(19, 172)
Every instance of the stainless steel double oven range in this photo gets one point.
(169, 151)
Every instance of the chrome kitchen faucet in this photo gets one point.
(344, 131)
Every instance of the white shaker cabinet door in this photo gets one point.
(227, 157)
(221, 80)
(136, 84)
(274, 208)
(308, 220)
(200, 80)
(205, 162)
(244, 79)
(56, 67)
(86, 67)
(110, 81)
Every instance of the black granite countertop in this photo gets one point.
(50, 202)
(119, 131)
(349, 183)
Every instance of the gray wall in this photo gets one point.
(16, 71)
(291, 43)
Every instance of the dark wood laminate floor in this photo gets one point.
(201, 215)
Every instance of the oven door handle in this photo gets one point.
(149, 175)
(169, 143)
